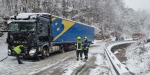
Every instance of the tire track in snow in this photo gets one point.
(56, 69)
(4, 58)
(85, 69)
(49, 64)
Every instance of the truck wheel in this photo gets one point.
(44, 53)
(47, 53)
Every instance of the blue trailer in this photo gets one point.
(43, 34)
(65, 31)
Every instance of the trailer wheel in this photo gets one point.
(62, 50)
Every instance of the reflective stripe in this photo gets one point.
(79, 45)
(86, 48)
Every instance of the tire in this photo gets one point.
(47, 53)
(62, 50)
(44, 53)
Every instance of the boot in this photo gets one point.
(20, 62)
(86, 58)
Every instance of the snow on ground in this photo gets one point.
(100, 61)
(46, 67)
(10, 65)
(72, 67)
(138, 55)
(3, 47)
(102, 67)
(138, 58)
(4, 67)
(98, 52)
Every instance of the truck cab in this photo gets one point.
(32, 30)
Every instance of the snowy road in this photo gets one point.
(59, 64)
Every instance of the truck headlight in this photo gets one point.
(32, 52)
(9, 52)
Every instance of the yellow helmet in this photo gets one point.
(79, 38)
(85, 37)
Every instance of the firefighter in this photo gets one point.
(79, 48)
(17, 49)
(85, 48)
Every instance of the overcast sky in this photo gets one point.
(138, 4)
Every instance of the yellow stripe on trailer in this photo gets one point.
(67, 24)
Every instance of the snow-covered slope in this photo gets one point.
(138, 58)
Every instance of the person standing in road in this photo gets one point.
(86, 47)
(79, 48)
(17, 49)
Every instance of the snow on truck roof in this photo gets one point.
(26, 15)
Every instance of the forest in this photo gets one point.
(108, 17)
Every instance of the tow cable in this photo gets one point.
(3, 58)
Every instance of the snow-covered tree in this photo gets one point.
(107, 16)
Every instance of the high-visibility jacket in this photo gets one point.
(79, 45)
(17, 49)
(86, 43)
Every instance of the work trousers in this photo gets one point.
(79, 52)
(18, 59)
(85, 54)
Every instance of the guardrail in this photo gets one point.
(117, 68)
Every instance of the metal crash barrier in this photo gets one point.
(116, 67)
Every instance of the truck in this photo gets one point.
(138, 35)
(43, 33)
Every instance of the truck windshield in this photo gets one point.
(22, 26)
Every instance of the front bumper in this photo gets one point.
(27, 54)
